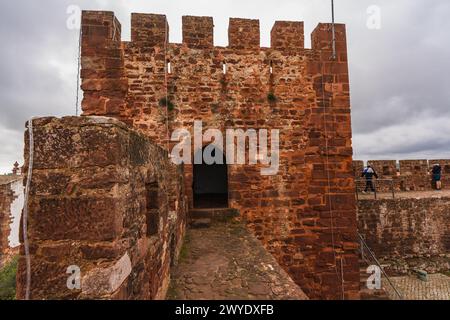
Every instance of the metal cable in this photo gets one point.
(327, 160)
(374, 258)
(328, 156)
(26, 243)
(78, 74)
(167, 89)
(333, 30)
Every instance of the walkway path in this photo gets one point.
(407, 195)
(436, 288)
(225, 262)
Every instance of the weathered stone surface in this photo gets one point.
(200, 223)
(101, 282)
(76, 219)
(288, 35)
(149, 29)
(408, 232)
(11, 198)
(95, 185)
(226, 262)
(198, 32)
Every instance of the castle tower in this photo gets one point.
(16, 169)
(305, 215)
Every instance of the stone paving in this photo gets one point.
(436, 288)
(225, 262)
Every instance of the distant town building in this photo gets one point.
(16, 170)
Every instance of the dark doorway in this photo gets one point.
(211, 184)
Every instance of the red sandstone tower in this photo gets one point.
(306, 214)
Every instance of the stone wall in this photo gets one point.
(305, 215)
(408, 233)
(6, 199)
(107, 200)
(406, 175)
(11, 202)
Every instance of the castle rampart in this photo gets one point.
(406, 175)
(408, 233)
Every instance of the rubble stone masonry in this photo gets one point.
(306, 214)
(105, 199)
(7, 197)
(11, 203)
(408, 233)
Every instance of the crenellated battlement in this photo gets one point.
(244, 34)
(100, 26)
(149, 29)
(198, 32)
(390, 168)
(152, 30)
(407, 175)
(288, 34)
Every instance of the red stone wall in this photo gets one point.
(408, 233)
(358, 167)
(7, 197)
(11, 198)
(105, 199)
(386, 169)
(413, 167)
(305, 215)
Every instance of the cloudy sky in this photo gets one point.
(399, 72)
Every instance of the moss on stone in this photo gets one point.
(271, 97)
(184, 252)
(164, 102)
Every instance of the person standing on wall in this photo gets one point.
(436, 176)
(369, 173)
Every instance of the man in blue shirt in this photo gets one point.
(369, 173)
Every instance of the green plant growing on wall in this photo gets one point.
(271, 97)
(8, 280)
(165, 102)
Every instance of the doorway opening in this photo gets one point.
(210, 183)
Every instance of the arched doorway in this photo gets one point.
(210, 184)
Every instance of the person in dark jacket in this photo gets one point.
(369, 173)
(436, 176)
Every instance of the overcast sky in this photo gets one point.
(400, 81)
